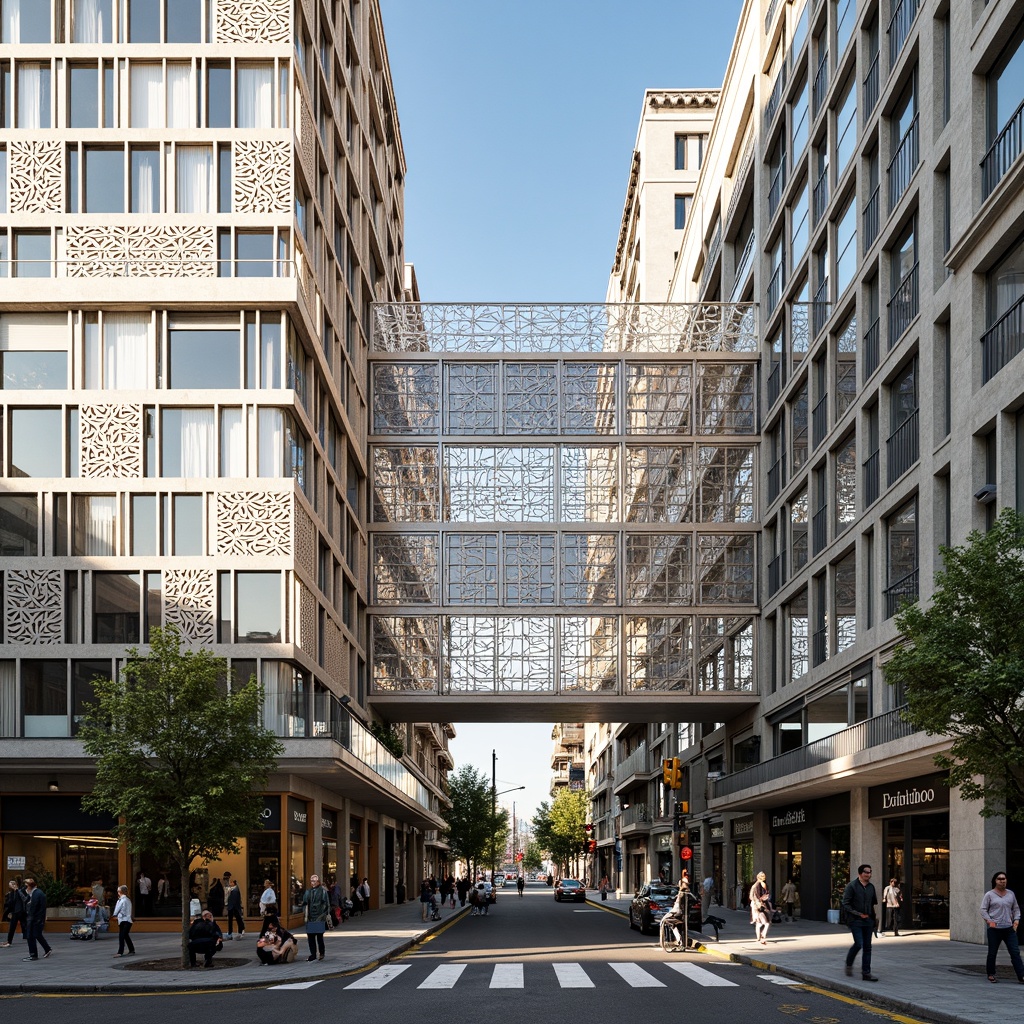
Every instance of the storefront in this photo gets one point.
(742, 830)
(716, 846)
(915, 841)
(298, 828)
(663, 866)
(329, 844)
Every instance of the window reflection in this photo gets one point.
(204, 359)
(34, 371)
(258, 607)
(19, 525)
(36, 442)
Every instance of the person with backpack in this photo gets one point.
(15, 902)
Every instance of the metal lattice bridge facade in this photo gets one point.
(564, 511)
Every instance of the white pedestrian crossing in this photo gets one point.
(776, 979)
(635, 976)
(380, 977)
(703, 976)
(507, 976)
(295, 984)
(572, 976)
(444, 976)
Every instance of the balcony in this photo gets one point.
(776, 477)
(774, 384)
(821, 309)
(871, 349)
(775, 99)
(899, 28)
(903, 306)
(903, 164)
(871, 89)
(872, 478)
(819, 421)
(902, 590)
(777, 572)
(713, 250)
(1002, 341)
(635, 764)
(820, 86)
(635, 814)
(743, 266)
(871, 219)
(846, 743)
(775, 191)
(774, 291)
(819, 646)
(902, 448)
(1002, 153)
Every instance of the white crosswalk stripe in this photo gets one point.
(635, 976)
(295, 985)
(380, 977)
(572, 976)
(776, 979)
(507, 976)
(444, 976)
(703, 976)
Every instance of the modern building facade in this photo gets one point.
(862, 186)
(200, 200)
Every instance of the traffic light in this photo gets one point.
(589, 827)
(672, 770)
(592, 846)
(666, 770)
(683, 838)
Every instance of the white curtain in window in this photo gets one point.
(180, 108)
(91, 22)
(146, 106)
(195, 179)
(271, 443)
(128, 357)
(8, 698)
(93, 356)
(256, 96)
(11, 14)
(30, 96)
(232, 443)
(270, 359)
(198, 443)
(146, 186)
(101, 525)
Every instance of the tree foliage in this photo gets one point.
(474, 830)
(560, 827)
(533, 857)
(962, 669)
(181, 760)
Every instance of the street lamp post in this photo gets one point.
(494, 804)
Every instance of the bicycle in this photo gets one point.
(667, 936)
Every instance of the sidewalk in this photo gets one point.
(90, 966)
(921, 974)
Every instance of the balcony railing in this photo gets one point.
(774, 291)
(819, 529)
(871, 219)
(903, 164)
(871, 89)
(746, 257)
(872, 479)
(819, 197)
(776, 572)
(871, 348)
(821, 308)
(635, 764)
(713, 250)
(820, 86)
(636, 814)
(899, 28)
(902, 590)
(819, 646)
(776, 477)
(1002, 152)
(1002, 341)
(819, 421)
(903, 306)
(846, 743)
(741, 176)
(774, 384)
(775, 99)
(902, 448)
(775, 191)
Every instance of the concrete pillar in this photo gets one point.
(977, 847)
(866, 839)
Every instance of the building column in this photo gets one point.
(977, 848)
(866, 839)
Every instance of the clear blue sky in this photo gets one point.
(518, 121)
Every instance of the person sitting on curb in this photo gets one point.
(204, 936)
(276, 945)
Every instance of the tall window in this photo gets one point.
(195, 179)
(846, 484)
(103, 184)
(846, 128)
(1006, 87)
(34, 100)
(124, 357)
(92, 21)
(682, 209)
(255, 96)
(19, 525)
(25, 21)
(846, 248)
(798, 120)
(902, 556)
(845, 18)
(681, 143)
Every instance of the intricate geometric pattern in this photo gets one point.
(566, 327)
(659, 569)
(405, 654)
(307, 620)
(254, 523)
(253, 21)
(498, 655)
(492, 484)
(405, 568)
(589, 653)
(305, 542)
(34, 606)
(659, 654)
(307, 139)
(262, 176)
(36, 173)
(159, 250)
(332, 654)
(406, 485)
(190, 602)
(111, 440)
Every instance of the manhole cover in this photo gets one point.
(220, 963)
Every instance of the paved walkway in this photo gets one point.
(922, 974)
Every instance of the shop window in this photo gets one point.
(19, 525)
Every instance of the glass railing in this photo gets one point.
(775, 99)
(820, 87)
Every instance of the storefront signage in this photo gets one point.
(788, 819)
(743, 828)
(270, 816)
(665, 841)
(924, 794)
(15, 863)
(717, 831)
(329, 824)
(298, 816)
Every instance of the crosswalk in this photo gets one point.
(565, 975)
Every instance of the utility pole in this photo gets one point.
(494, 805)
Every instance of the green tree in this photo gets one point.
(180, 760)
(961, 671)
(469, 817)
(560, 827)
(533, 857)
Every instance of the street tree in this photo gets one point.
(533, 857)
(468, 820)
(560, 827)
(961, 670)
(181, 759)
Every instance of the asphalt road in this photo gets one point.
(529, 960)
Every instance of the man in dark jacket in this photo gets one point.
(14, 911)
(204, 936)
(35, 920)
(859, 902)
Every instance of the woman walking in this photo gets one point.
(892, 900)
(1001, 912)
(760, 908)
(316, 902)
(123, 913)
(14, 910)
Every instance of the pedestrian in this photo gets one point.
(787, 897)
(520, 885)
(603, 886)
(316, 905)
(123, 913)
(14, 911)
(233, 902)
(215, 899)
(35, 920)
(761, 908)
(451, 890)
(204, 936)
(424, 898)
(859, 902)
(892, 901)
(484, 891)
(363, 892)
(268, 898)
(462, 888)
(1001, 912)
(98, 890)
(276, 945)
(706, 889)
(145, 887)
(163, 888)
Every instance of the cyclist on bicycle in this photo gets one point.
(676, 917)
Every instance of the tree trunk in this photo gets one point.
(186, 897)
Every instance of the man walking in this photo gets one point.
(35, 920)
(859, 902)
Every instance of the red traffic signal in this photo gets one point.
(592, 846)
(686, 853)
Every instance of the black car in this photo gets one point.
(570, 889)
(653, 902)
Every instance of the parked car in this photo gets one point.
(653, 902)
(499, 879)
(570, 889)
